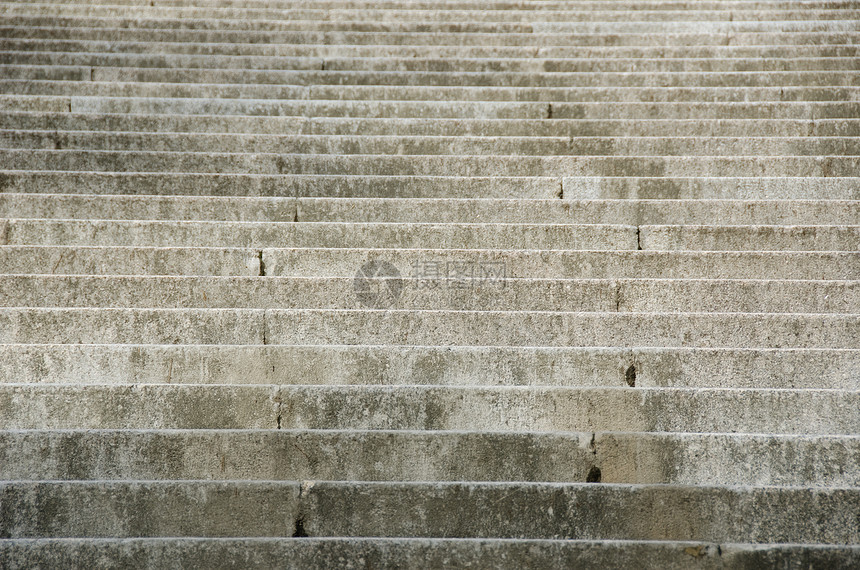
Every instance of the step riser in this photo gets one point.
(429, 109)
(343, 509)
(427, 127)
(432, 328)
(371, 93)
(497, 366)
(65, 29)
(393, 554)
(187, 208)
(344, 263)
(440, 51)
(417, 145)
(466, 288)
(592, 188)
(428, 236)
(421, 78)
(437, 65)
(467, 166)
(519, 409)
(413, 456)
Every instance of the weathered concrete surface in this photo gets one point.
(469, 291)
(395, 553)
(688, 459)
(431, 365)
(509, 408)
(523, 510)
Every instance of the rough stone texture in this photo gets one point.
(625, 330)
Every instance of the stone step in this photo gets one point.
(440, 51)
(25, 325)
(503, 5)
(344, 262)
(403, 144)
(289, 455)
(394, 93)
(449, 187)
(260, 235)
(431, 210)
(521, 510)
(775, 22)
(429, 127)
(479, 110)
(464, 286)
(344, 234)
(847, 78)
(503, 19)
(394, 553)
(461, 408)
(430, 165)
(102, 31)
(428, 365)
(531, 65)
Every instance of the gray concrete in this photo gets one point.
(395, 553)
(391, 509)
(661, 367)
(835, 369)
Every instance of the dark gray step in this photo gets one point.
(396, 553)
(469, 408)
(134, 509)
(285, 455)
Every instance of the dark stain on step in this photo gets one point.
(300, 528)
(549, 111)
(593, 475)
(630, 376)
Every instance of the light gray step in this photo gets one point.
(283, 455)
(482, 110)
(450, 187)
(469, 408)
(432, 210)
(404, 145)
(568, 264)
(343, 234)
(463, 286)
(140, 261)
(436, 328)
(234, 124)
(535, 510)
(102, 32)
(430, 78)
(395, 553)
(534, 65)
(202, 184)
(261, 235)
(422, 365)
(505, 5)
(430, 165)
(342, 51)
(344, 262)
(305, 14)
(367, 93)
(121, 16)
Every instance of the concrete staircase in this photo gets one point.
(487, 283)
